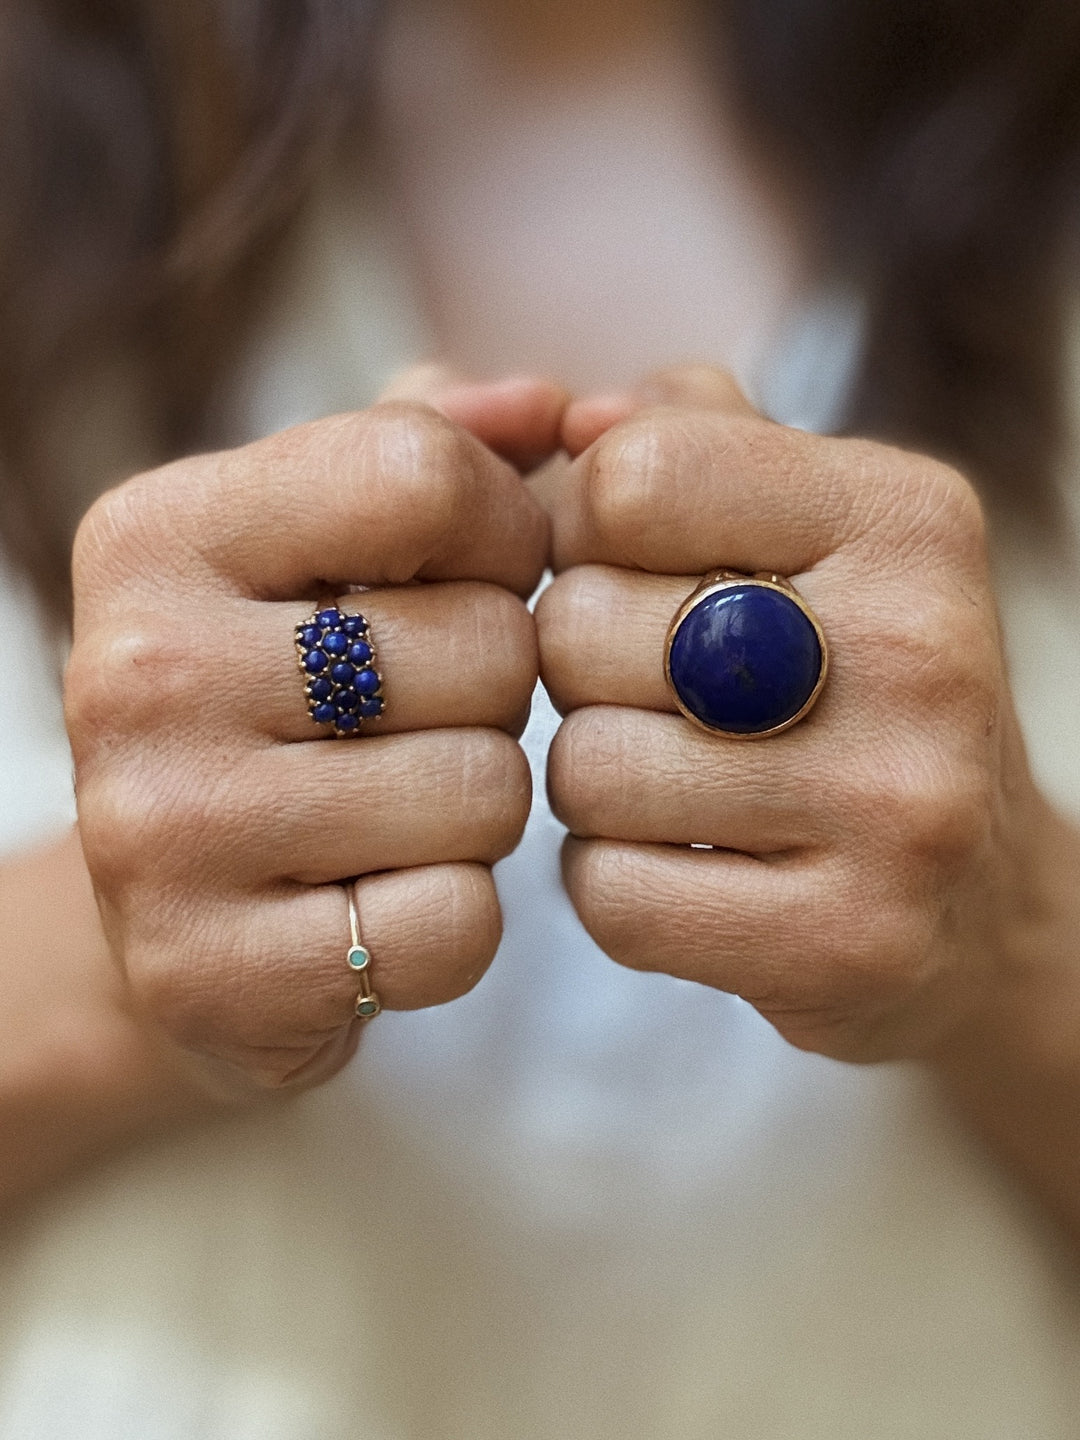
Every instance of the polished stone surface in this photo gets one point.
(745, 659)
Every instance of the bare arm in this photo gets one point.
(79, 1074)
(1013, 1067)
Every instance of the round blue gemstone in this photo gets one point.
(367, 682)
(354, 625)
(336, 643)
(315, 661)
(745, 659)
(342, 674)
(328, 619)
(320, 689)
(371, 707)
(324, 713)
(346, 700)
(309, 635)
(360, 652)
(347, 723)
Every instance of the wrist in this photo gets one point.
(79, 1073)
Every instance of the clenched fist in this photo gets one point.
(853, 877)
(216, 819)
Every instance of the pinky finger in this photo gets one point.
(275, 999)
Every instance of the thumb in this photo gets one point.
(520, 417)
(697, 387)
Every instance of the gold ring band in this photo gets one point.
(358, 959)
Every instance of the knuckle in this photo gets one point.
(423, 465)
(116, 820)
(625, 472)
(931, 814)
(469, 927)
(498, 612)
(139, 825)
(110, 532)
(491, 784)
(933, 511)
(607, 897)
(584, 764)
(945, 823)
(124, 677)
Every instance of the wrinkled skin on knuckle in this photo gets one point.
(556, 615)
(468, 927)
(608, 897)
(127, 678)
(627, 471)
(576, 773)
(494, 768)
(922, 513)
(861, 962)
(500, 618)
(593, 752)
(144, 824)
(422, 469)
(129, 539)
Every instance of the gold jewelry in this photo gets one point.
(358, 959)
(745, 656)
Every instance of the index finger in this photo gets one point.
(384, 496)
(676, 490)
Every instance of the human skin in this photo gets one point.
(183, 950)
(886, 880)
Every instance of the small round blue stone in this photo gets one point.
(745, 659)
(336, 643)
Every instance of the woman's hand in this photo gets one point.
(869, 867)
(215, 817)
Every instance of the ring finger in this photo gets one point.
(460, 653)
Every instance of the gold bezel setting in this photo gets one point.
(715, 582)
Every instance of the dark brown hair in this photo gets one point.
(153, 153)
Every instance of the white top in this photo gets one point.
(579, 1202)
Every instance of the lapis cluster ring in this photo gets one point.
(745, 655)
(336, 655)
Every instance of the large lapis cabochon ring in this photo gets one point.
(745, 655)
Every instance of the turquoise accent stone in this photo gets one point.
(358, 957)
(367, 1007)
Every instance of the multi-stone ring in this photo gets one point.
(336, 655)
(745, 655)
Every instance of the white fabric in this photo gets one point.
(580, 1202)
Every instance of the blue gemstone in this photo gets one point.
(324, 713)
(336, 643)
(342, 674)
(328, 619)
(360, 652)
(314, 661)
(347, 723)
(745, 659)
(320, 689)
(346, 700)
(367, 682)
(370, 708)
(354, 625)
(309, 635)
